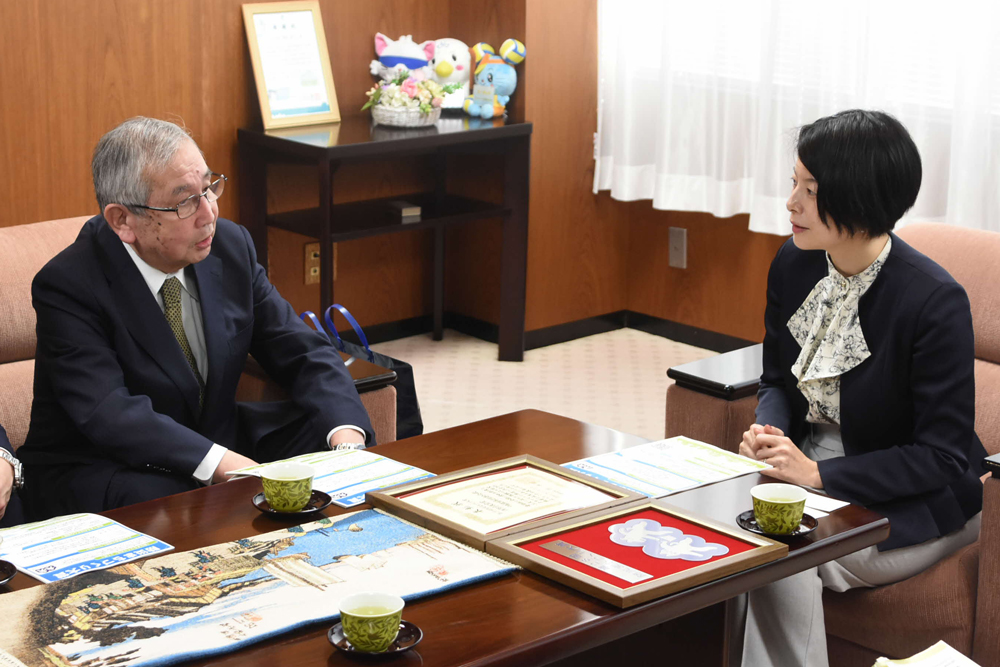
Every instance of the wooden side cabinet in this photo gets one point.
(354, 139)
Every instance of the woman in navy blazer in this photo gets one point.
(868, 389)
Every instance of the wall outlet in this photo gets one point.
(312, 263)
(678, 247)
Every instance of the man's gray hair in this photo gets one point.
(129, 157)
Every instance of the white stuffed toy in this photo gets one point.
(452, 63)
(401, 54)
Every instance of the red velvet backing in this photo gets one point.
(597, 538)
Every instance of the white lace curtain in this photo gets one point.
(700, 100)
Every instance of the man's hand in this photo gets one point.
(788, 462)
(6, 485)
(230, 461)
(346, 435)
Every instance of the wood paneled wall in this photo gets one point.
(577, 250)
(69, 71)
(723, 287)
(472, 269)
(589, 255)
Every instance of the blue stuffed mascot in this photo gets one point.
(495, 78)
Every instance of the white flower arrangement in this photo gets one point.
(411, 101)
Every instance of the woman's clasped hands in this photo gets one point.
(788, 463)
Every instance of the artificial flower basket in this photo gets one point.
(406, 101)
(404, 117)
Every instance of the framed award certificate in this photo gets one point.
(635, 553)
(500, 498)
(291, 63)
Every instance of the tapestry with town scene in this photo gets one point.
(223, 597)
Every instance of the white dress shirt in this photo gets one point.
(194, 329)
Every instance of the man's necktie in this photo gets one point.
(171, 292)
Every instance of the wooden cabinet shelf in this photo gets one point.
(372, 217)
(333, 145)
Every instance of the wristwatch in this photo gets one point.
(18, 472)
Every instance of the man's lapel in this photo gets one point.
(208, 273)
(142, 316)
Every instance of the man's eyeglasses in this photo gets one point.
(189, 206)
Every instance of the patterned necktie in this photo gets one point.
(171, 292)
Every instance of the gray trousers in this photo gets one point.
(784, 620)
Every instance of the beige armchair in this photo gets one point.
(958, 599)
(24, 249)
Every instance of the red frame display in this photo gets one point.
(595, 538)
(592, 533)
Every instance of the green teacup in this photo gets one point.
(371, 620)
(778, 507)
(287, 485)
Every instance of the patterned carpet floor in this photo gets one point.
(616, 379)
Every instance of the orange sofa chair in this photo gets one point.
(958, 599)
(24, 249)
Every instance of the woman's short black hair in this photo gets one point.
(866, 167)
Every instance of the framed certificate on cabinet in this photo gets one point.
(637, 552)
(291, 63)
(497, 499)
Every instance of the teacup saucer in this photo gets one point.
(7, 571)
(408, 637)
(747, 521)
(317, 502)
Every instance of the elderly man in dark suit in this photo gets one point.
(144, 326)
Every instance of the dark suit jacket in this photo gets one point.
(111, 382)
(908, 411)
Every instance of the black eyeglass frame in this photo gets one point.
(221, 179)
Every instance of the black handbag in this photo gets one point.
(408, 420)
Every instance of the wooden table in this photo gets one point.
(520, 619)
(354, 139)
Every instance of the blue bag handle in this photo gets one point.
(315, 320)
(354, 325)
